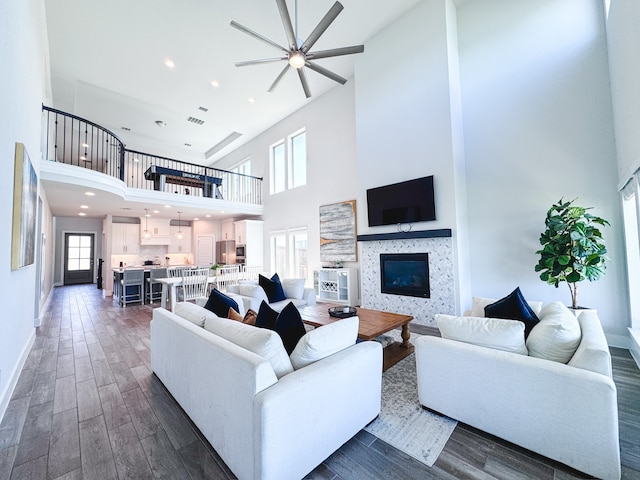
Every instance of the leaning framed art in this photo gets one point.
(338, 232)
(25, 204)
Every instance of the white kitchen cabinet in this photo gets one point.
(227, 230)
(337, 285)
(159, 231)
(250, 233)
(180, 245)
(125, 238)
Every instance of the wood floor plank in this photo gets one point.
(65, 366)
(200, 464)
(144, 419)
(38, 421)
(83, 369)
(31, 449)
(65, 395)
(24, 387)
(64, 451)
(89, 404)
(164, 460)
(131, 461)
(7, 460)
(33, 470)
(123, 376)
(95, 448)
(113, 406)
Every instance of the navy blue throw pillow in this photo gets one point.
(288, 324)
(513, 307)
(266, 317)
(272, 287)
(219, 303)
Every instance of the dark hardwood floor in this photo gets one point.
(88, 406)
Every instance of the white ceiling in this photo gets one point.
(107, 65)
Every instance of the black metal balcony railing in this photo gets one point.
(75, 141)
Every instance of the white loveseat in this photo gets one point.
(251, 294)
(265, 419)
(567, 412)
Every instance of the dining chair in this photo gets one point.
(154, 288)
(251, 272)
(132, 286)
(227, 275)
(194, 284)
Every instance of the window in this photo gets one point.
(278, 170)
(631, 213)
(289, 253)
(298, 160)
(288, 163)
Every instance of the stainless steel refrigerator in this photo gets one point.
(226, 252)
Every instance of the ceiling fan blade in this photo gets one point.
(250, 32)
(335, 52)
(278, 78)
(321, 27)
(327, 73)
(257, 62)
(286, 22)
(303, 81)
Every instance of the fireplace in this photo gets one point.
(405, 274)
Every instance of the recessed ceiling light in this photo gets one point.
(84, 206)
(215, 84)
(208, 216)
(90, 194)
(167, 206)
(251, 100)
(82, 214)
(169, 63)
(136, 160)
(196, 218)
(85, 145)
(156, 211)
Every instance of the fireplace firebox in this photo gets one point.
(405, 274)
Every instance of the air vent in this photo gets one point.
(197, 121)
(203, 109)
(126, 129)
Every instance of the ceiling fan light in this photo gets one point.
(297, 59)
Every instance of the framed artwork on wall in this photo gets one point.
(25, 204)
(338, 232)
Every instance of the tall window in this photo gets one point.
(297, 159)
(631, 213)
(288, 163)
(289, 253)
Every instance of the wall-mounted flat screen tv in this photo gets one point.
(404, 202)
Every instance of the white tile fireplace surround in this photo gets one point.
(441, 274)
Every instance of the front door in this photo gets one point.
(78, 258)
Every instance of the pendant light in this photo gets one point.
(179, 234)
(146, 234)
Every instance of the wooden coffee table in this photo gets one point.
(373, 323)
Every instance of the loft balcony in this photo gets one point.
(80, 155)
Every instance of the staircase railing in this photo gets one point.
(75, 141)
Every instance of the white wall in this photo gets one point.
(331, 167)
(624, 61)
(23, 86)
(538, 126)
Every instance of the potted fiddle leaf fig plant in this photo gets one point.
(572, 247)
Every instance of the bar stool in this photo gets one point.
(154, 288)
(132, 290)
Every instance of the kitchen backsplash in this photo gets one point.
(150, 252)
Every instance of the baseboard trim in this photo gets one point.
(5, 398)
(619, 341)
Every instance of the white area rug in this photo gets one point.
(403, 422)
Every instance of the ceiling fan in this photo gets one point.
(298, 54)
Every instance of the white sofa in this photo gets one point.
(252, 295)
(567, 412)
(264, 426)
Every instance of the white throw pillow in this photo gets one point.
(293, 287)
(261, 341)
(478, 304)
(192, 312)
(557, 336)
(497, 333)
(253, 291)
(324, 341)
